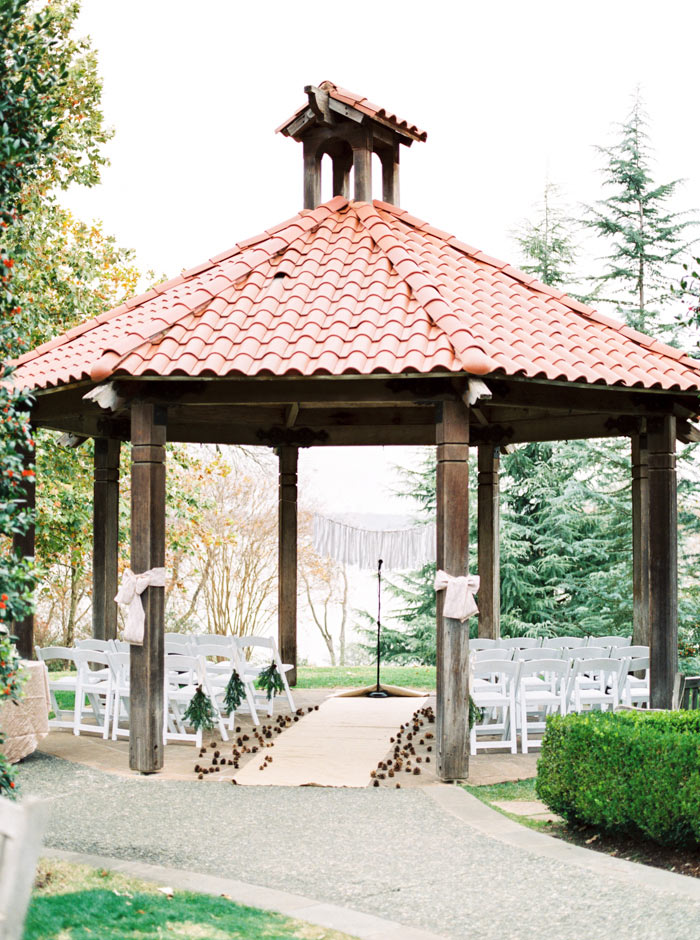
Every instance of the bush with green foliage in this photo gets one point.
(634, 773)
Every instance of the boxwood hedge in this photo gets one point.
(625, 772)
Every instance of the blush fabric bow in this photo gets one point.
(459, 595)
(129, 597)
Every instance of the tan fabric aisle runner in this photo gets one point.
(336, 746)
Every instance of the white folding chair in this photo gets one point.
(183, 676)
(481, 655)
(609, 641)
(564, 642)
(179, 643)
(63, 684)
(219, 665)
(22, 826)
(92, 643)
(629, 652)
(594, 682)
(528, 655)
(634, 689)
(493, 690)
(267, 643)
(96, 686)
(590, 652)
(120, 664)
(120, 646)
(541, 692)
(519, 642)
(481, 643)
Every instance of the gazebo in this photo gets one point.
(354, 323)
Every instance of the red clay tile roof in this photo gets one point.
(364, 106)
(356, 288)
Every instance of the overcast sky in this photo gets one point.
(510, 93)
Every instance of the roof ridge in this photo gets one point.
(577, 306)
(473, 358)
(112, 356)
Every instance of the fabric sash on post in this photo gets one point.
(129, 597)
(459, 596)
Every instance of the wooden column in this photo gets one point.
(312, 175)
(452, 435)
(663, 551)
(640, 539)
(287, 534)
(105, 538)
(488, 544)
(23, 545)
(390, 175)
(148, 551)
(362, 166)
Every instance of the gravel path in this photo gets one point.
(391, 853)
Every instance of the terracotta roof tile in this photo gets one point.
(367, 288)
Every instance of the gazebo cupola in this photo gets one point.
(348, 129)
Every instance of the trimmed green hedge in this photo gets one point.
(627, 772)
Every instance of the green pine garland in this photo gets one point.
(235, 692)
(270, 681)
(476, 714)
(200, 712)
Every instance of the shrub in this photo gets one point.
(627, 772)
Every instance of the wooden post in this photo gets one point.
(488, 545)
(362, 165)
(390, 175)
(452, 435)
(342, 164)
(312, 175)
(287, 534)
(640, 539)
(148, 551)
(663, 551)
(23, 544)
(105, 538)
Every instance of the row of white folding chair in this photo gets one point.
(511, 691)
(555, 642)
(582, 652)
(107, 690)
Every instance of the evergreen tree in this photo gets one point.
(645, 236)
(547, 243)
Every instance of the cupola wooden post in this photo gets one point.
(452, 436)
(148, 551)
(105, 538)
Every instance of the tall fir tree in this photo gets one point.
(645, 237)
(547, 242)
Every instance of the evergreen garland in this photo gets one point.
(476, 714)
(200, 712)
(270, 681)
(235, 692)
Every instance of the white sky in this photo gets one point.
(510, 93)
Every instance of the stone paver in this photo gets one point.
(398, 854)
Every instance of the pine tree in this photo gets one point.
(645, 236)
(547, 243)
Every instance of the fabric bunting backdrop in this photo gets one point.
(361, 539)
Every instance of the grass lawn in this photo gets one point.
(331, 677)
(512, 790)
(74, 902)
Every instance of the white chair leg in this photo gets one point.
(523, 725)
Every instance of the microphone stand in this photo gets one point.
(379, 691)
